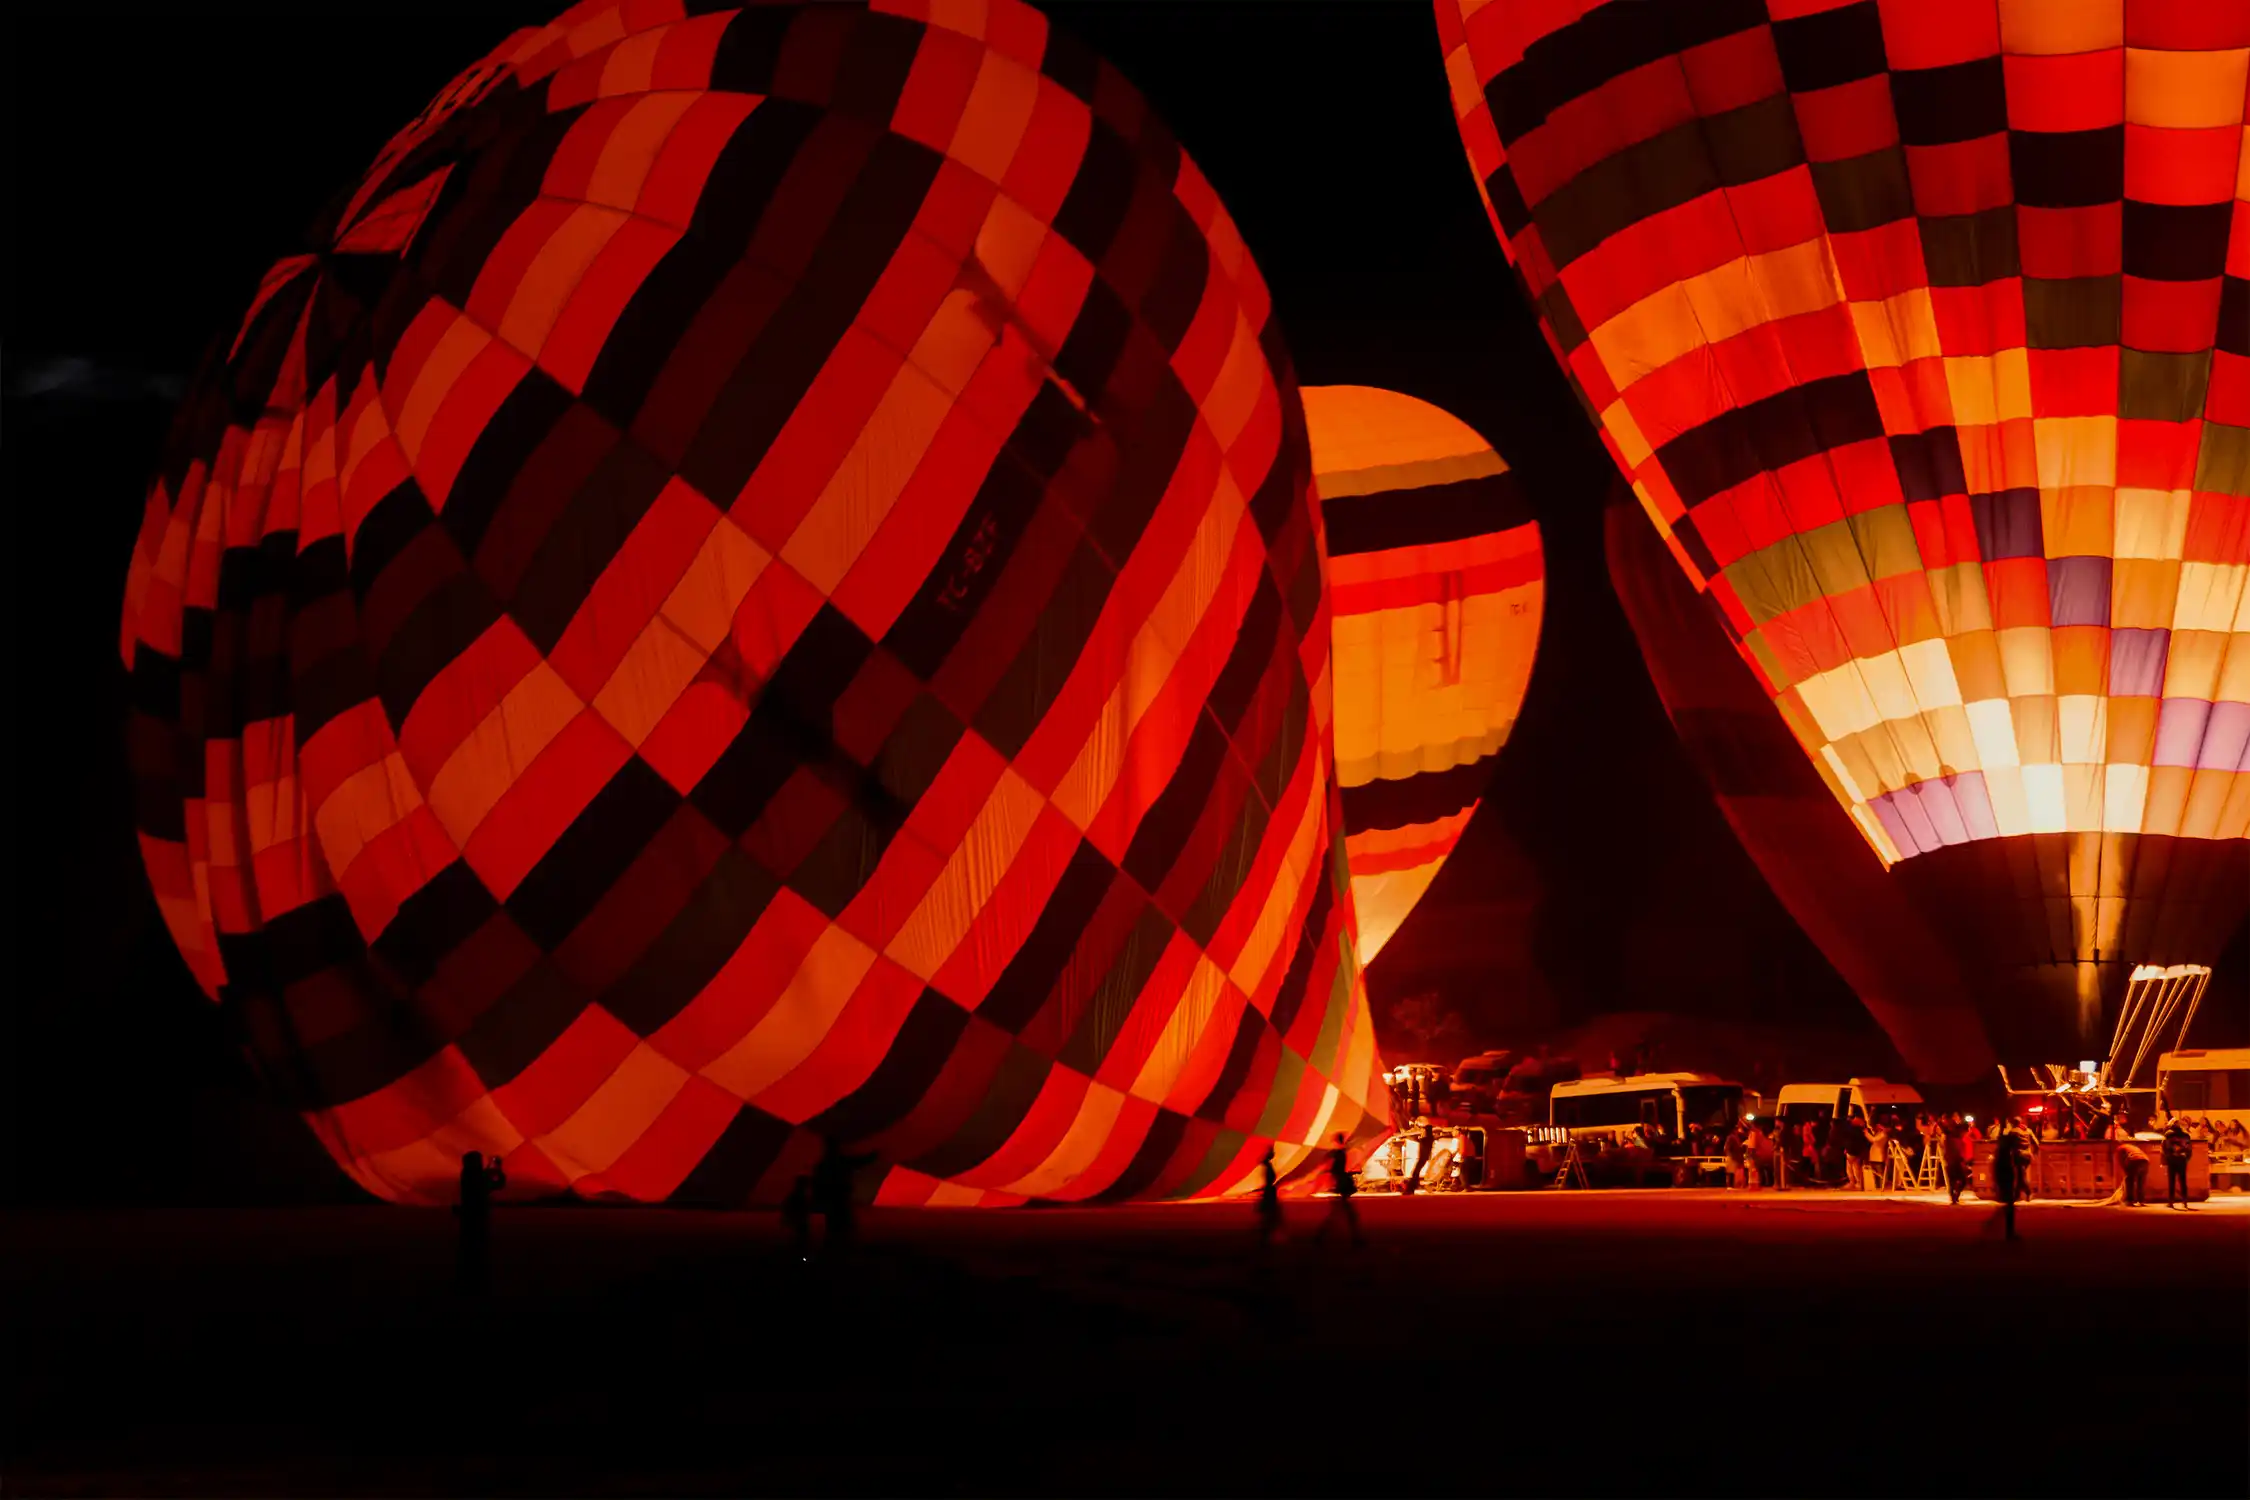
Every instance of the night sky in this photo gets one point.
(160, 163)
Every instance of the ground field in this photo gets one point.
(1572, 1343)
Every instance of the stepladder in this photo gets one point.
(1572, 1171)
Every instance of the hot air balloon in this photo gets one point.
(1919, 331)
(1806, 846)
(755, 583)
(1435, 581)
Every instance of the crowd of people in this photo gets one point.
(1851, 1151)
(2227, 1137)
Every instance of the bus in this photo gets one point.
(1642, 1125)
(2213, 1082)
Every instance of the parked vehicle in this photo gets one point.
(2210, 1081)
(1642, 1128)
(1478, 1080)
(1799, 1102)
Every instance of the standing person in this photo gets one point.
(1957, 1149)
(473, 1250)
(1269, 1201)
(832, 1196)
(1853, 1130)
(1340, 1207)
(796, 1213)
(2133, 1162)
(1429, 1152)
(1469, 1156)
(2011, 1158)
(1879, 1149)
(2005, 1175)
(1733, 1150)
(1754, 1149)
(1808, 1150)
(2179, 1150)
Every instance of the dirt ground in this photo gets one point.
(1602, 1343)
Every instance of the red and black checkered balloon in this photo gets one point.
(757, 582)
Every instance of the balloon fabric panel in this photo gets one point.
(1921, 354)
(757, 582)
(1436, 583)
(1920, 332)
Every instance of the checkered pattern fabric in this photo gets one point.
(1922, 331)
(757, 582)
(1436, 581)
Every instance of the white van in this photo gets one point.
(1799, 1102)
(2208, 1081)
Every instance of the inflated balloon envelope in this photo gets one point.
(1921, 333)
(757, 582)
(1436, 583)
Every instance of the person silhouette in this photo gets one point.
(1340, 1207)
(2178, 1151)
(1960, 1148)
(2011, 1164)
(1269, 1201)
(796, 1213)
(832, 1196)
(2132, 1166)
(473, 1246)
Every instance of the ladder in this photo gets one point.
(1573, 1170)
(1931, 1178)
